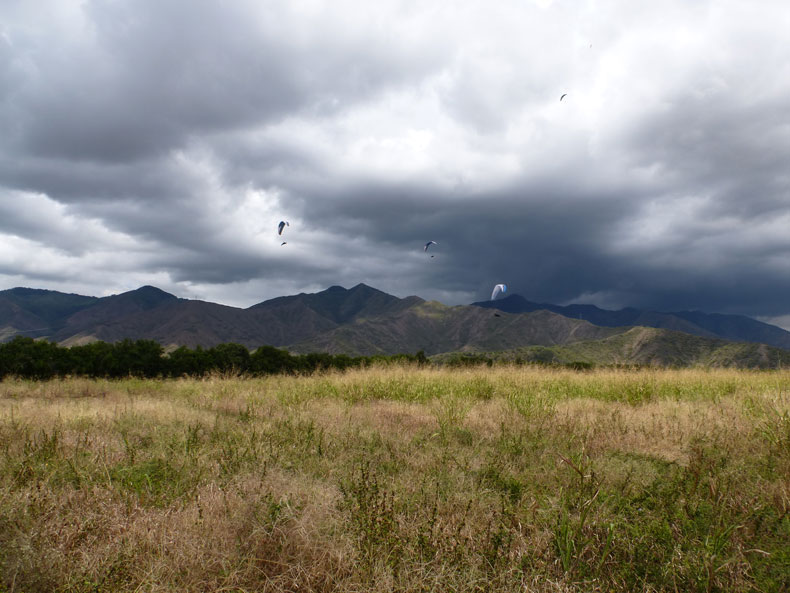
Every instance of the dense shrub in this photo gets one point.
(38, 359)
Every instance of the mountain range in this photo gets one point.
(737, 328)
(366, 321)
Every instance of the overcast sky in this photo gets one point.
(161, 141)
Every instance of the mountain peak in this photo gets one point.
(146, 296)
(152, 289)
(341, 305)
(361, 287)
(365, 289)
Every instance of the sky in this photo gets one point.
(161, 142)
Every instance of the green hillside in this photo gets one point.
(643, 346)
(435, 328)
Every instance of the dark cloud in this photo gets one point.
(148, 76)
(161, 142)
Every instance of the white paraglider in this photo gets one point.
(498, 289)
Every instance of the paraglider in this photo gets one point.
(563, 96)
(428, 244)
(283, 243)
(498, 289)
(281, 226)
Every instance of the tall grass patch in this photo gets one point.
(399, 478)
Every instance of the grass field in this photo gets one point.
(399, 479)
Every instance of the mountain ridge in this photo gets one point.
(366, 321)
(707, 325)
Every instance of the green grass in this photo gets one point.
(399, 479)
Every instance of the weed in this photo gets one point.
(450, 413)
(372, 515)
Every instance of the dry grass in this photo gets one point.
(399, 479)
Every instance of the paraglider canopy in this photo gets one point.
(498, 289)
(563, 96)
(281, 226)
(428, 244)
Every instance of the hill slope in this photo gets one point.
(709, 325)
(433, 328)
(341, 305)
(35, 312)
(647, 346)
(199, 323)
(150, 313)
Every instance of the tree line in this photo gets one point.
(39, 359)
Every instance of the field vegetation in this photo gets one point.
(398, 478)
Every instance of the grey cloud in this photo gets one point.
(77, 181)
(228, 267)
(153, 74)
(186, 130)
(543, 244)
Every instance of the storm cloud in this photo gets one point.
(160, 142)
